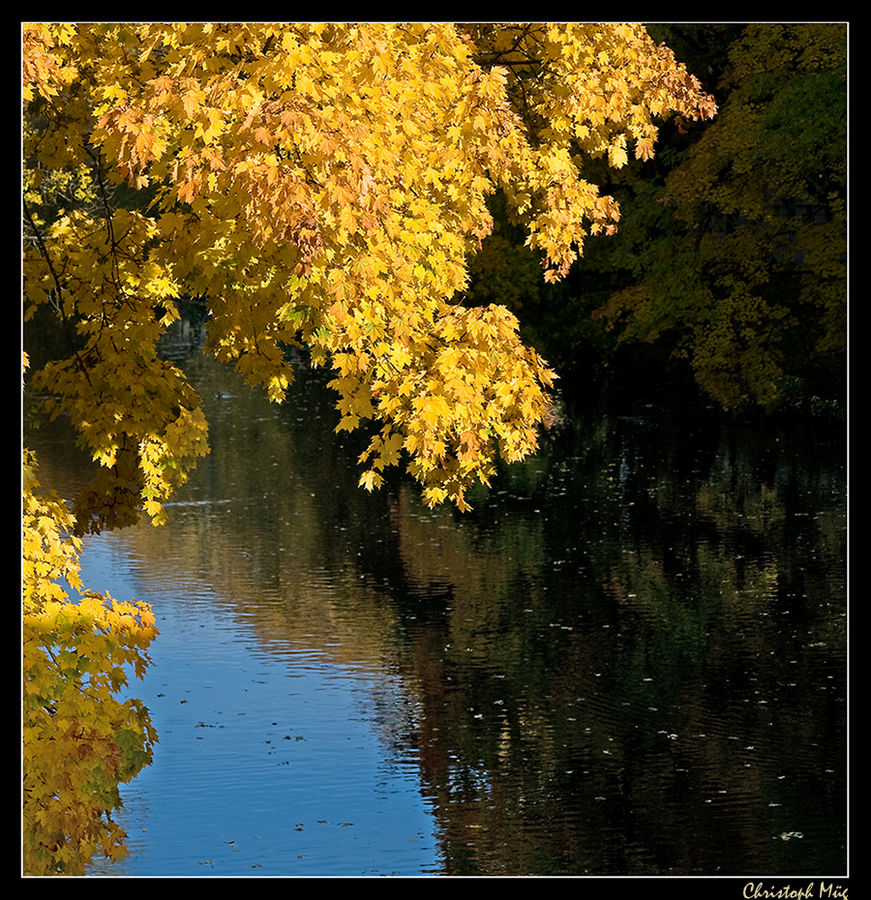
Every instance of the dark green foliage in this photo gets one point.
(730, 258)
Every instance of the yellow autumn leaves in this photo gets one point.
(79, 740)
(135, 412)
(326, 185)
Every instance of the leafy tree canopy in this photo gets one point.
(322, 185)
(737, 259)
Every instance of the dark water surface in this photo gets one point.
(628, 659)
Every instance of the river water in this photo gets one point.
(628, 659)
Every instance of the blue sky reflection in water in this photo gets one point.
(628, 659)
(270, 762)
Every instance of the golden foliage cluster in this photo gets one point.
(79, 740)
(323, 185)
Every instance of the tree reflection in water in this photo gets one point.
(629, 658)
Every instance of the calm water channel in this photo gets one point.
(629, 659)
